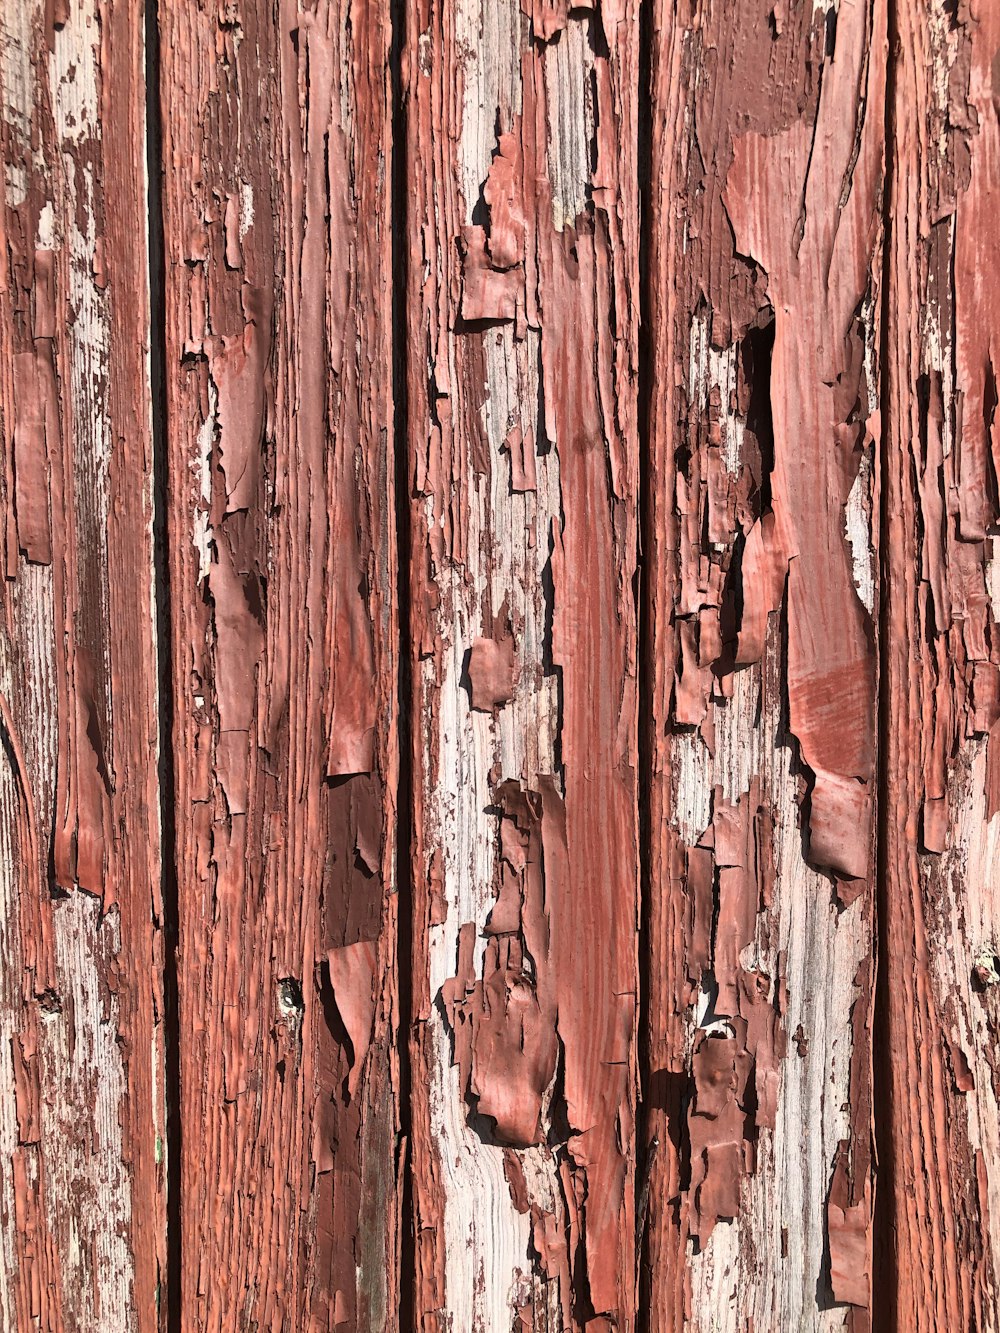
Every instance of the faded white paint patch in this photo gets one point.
(485, 1238)
(712, 370)
(822, 950)
(487, 1241)
(740, 741)
(11, 859)
(693, 781)
(858, 522)
(698, 362)
(202, 532)
(74, 76)
(246, 208)
(17, 90)
(17, 76)
(967, 899)
(527, 729)
(47, 237)
(489, 37)
(993, 576)
(569, 65)
(82, 1059)
(34, 628)
(857, 527)
(74, 93)
(88, 1188)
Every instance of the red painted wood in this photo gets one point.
(522, 379)
(276, 185)
(82, 1120)
(499, 777)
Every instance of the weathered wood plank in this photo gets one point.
(764, 259)
(778, 507)
(940, 1128)
(82, 1225)
(277, 169)
(522, 310)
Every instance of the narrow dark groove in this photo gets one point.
(404, 799)
(884, 1276)
(170, 1288)
(644, 612)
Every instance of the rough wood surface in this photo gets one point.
(548, 917)
(941, 969)
(277, 169)
(522, 309)
(82, 1225)
(764, 265)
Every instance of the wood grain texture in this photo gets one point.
(82, 1219)
(277, 167)
(573, 989)
(763, 225)
(939, 1122)
(522, 310)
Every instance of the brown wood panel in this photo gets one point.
(764, 252)
(277, 169)
(940, 1133)
(522, 313)
(82, 1220)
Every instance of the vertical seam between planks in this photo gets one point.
(170, 1316)
(884, 1278)
(399, 214)
(644, 135)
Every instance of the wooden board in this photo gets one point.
(82, 1130)
(277, 170)
(522, 310)
(499, 666)
(763, 224)
(939, 1131)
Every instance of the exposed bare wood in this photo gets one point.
(522, 318)
(697, 809)
(282, 582)
(82, 1225)
(939, 1123)
(764, 251)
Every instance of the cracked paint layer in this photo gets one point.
(522, 310)
(942, 660)
(82, 1213)
(764, 226)
(277, 170)
(727, 592)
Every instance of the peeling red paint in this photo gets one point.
(701, 747)
(938, 1126)
(522, 379)
(282, 583)
(764, 234)
(492, 670)
(82, 1218)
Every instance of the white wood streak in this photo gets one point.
(966, 895)
(29, 680)
(569, 64)
(11, 855)
(857, 530)
(74, 84)
(86, 1187)
(823, 948)
(86, 1179)
(487, 1240)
